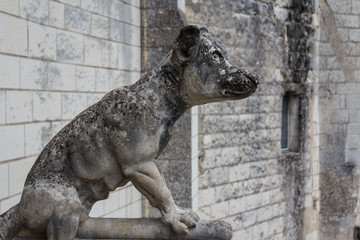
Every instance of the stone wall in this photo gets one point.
(338, 64)
(56, 59)
(61, 56)
(245, 177)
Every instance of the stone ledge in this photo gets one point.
(141, 228)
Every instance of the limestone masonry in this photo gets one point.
(273, 172)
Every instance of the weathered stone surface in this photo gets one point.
(70, 47)
(117, 140)
(142, 229)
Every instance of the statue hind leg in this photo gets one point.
(51, 208)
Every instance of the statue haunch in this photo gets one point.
(117, 140)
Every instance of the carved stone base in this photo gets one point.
(142, 228)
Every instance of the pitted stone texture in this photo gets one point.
(36, 10)
(42, 41)
(77, 20)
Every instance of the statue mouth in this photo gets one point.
(238, 93)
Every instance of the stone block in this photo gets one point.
(347, 88)
(352, 101)
(350, 21)
(18, 107)
(352, 156)
(243, 234)
(9, 202)
(10, 6)
(134, 77)
(239, 172)
(253, 201)
(90, 5)
(9, 71)
(56, 126)
(339, 116)
(37, 135)
(125, 13)
(229, 157)
(100, 26)
(331, 102)
(237, 206)
(213, 177)
(132, 35)
(228, 191)
(135, 14)
(340, 7)
(355, 116)
(11, 142)
(93, 98)
(258, 169)
(33, 74)
(272, 182)
(36, 10)
(276, 195)
(219, 210)
(85, 79)
(103, 80)
(265, 213)
(105, 7)
(111, 203)
(117, 31)
(353, 128)
(252, 186)
(77, 20)
(354, 35)
(352, 49)
(117, 10)
(134, 210)
(61, 76)
(73, 104)
(135, 3)
(47, 106)
(210, 158)
(4, 186)
(129, 57)
(13, 39)
(57, 14)
(2, 107)
(97, 210)
(109, 54)
(70, 47)
(93, 51)
(326, 49)
(42, 41)
(18, 171)
(249, 218)
(75, 3)
(121, 78)
(355, 7)
(121, 213)
(204, 197)
(261, 231)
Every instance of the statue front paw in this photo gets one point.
(181, 219)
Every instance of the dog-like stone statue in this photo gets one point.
(117, 140)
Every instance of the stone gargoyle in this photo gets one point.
(117, 140)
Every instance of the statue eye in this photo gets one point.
(216, 56)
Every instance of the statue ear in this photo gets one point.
(187, 43)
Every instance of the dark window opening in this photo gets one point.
(285, 123)
(356, 233)
(290, 123)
